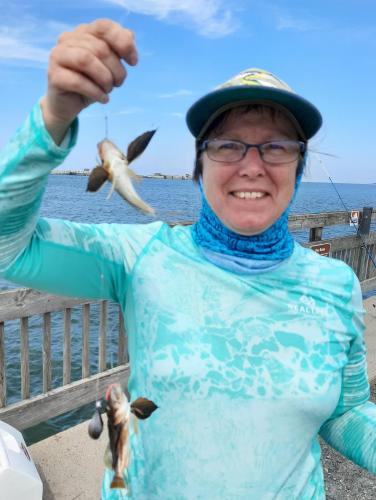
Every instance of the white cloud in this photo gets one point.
(178, 115)
(27, 40)
(178, 93)
(209, 17)
(289, 22)
(13, 48)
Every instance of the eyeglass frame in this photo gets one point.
(303, 149)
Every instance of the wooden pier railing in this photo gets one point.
(357, 250)
(23, 304)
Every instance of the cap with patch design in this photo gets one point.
(253, 86)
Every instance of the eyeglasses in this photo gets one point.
(228, 151)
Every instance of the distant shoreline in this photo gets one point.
(86, 173)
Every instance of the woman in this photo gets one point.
(249, 344)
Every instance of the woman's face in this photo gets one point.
(271, 187)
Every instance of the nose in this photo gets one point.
(252, 164)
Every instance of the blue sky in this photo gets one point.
(324, 49)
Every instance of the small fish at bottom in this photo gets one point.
(114, 168)
(119, 413)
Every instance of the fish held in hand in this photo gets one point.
(114, 168)
(119, 413)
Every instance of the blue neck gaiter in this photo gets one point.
(274, 244)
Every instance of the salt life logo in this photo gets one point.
(307, 305)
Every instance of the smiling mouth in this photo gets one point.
(248, 195)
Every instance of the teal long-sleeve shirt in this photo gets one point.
(246, 370)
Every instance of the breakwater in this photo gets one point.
(86, 172)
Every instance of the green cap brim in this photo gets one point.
(202, 111)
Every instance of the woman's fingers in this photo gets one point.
(66, 81)
(84, 67)
(120, 40)
(95, 56)
(95, 50)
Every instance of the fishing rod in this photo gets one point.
(353, 223)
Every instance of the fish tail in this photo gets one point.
(117, 482)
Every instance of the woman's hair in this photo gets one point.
(218, 125)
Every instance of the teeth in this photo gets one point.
(248, 194)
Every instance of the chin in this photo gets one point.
(248, 230)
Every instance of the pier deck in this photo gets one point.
(71, 464)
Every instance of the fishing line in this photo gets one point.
(353, 223)
(106, 127)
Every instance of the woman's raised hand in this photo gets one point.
(84, 67)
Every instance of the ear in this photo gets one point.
(97, 178)
(143, 408)
(137, 146)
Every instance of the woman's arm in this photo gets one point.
(351, 430)
(84, 67)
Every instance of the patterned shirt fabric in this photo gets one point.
(246, 369)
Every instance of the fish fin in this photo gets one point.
(135, 424)
(117, 482)
(97, 178)
(113, 187)
(133, 175)
(137, 146)
(143, 408)
(107, 457)
(96, 425)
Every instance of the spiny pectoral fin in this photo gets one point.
(133, 175)
(143, 408)
(97, 178)
(137, 146)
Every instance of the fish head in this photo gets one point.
(116, 398)
(107, 150)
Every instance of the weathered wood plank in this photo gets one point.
(24, 302)
(85, 340)
(3, 383)
(367, 263)
(345, 242)
(38, 409)
(121, 341)
(307, 221)
(67, 349)
(25, 375)
(372, 267)
(103, 335)
(46, 352)
(368, 285)
(361, 261)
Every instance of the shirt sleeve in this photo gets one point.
(58, 256)
(351, 430)
(24, 167)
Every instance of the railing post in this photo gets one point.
(3, 384)
(365, 221)
(67, 350)
(85, 340)
(25, 373)
(122, 341)
(46, 352)
(315, 234)
(103, 335)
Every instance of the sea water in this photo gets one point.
(174, 201)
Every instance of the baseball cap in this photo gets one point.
(258, 86)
